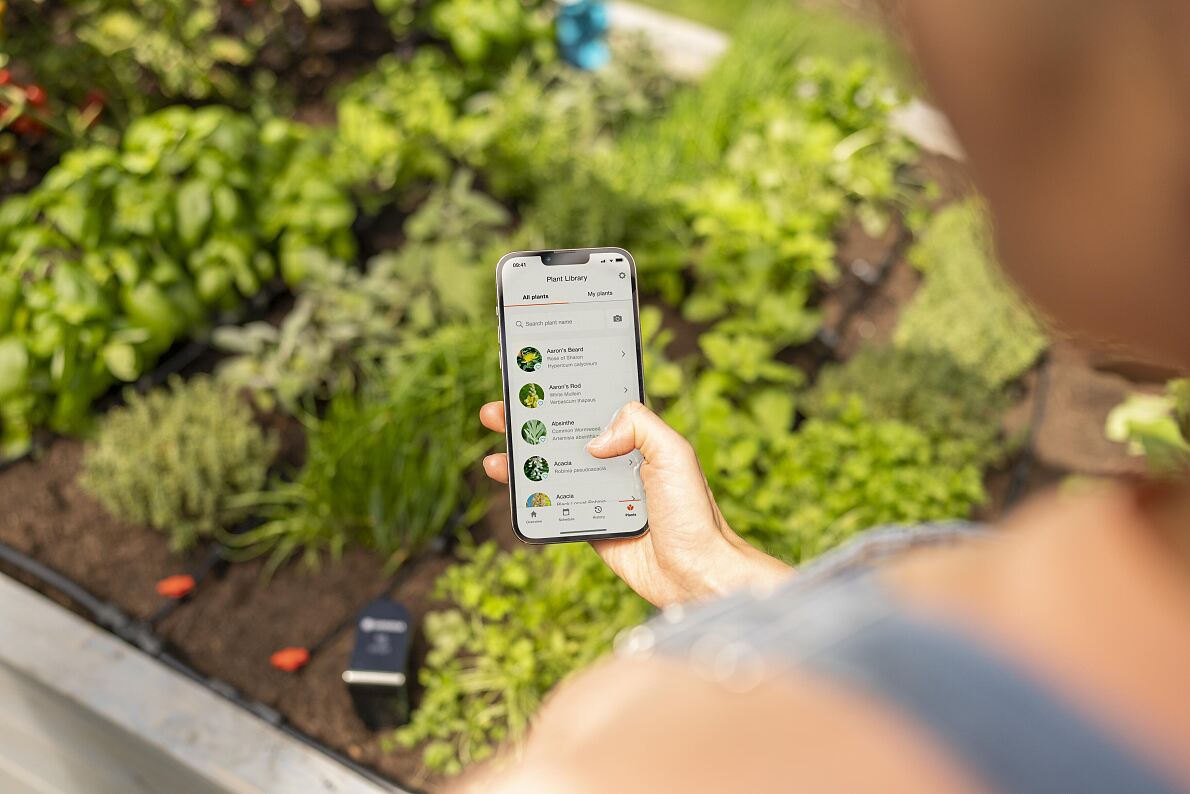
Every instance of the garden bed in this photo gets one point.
(237, 618)
(822, 319)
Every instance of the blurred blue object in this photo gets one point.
(582, 33)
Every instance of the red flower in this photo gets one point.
(176, 587)
(27, 125)
(5, 77)
(290, 660)
(36, 95)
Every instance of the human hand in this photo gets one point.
(690, 552)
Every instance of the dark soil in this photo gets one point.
(237, 617)
(48, 516)
(237, 621)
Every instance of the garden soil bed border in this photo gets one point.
(111, 713)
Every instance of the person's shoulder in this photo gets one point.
(659, 724)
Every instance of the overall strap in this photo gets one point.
(1008, 729)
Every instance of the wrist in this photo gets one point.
(735, 564)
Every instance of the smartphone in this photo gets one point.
(570, 354)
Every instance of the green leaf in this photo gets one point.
(194, 208)
(14, 367)
(121, 360)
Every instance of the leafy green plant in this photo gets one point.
(397, 123)
(122, 251)
(345, 321)
(142, 53)
(536, 123)
(489, 34)
(1155, 426)
(665, 378)
(518, 623)
(797, 491)
(964, 308)
(177, 458)
(387, 468)
(839, 477)
(452, 244)
(955, 408)
(484, 35)
(797, 169)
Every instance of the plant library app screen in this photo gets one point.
(570, 358)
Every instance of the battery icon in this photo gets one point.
(619, 259)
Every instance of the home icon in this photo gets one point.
(533, 514)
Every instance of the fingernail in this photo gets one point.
(486, 460)
(600, 440)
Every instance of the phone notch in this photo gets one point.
(560, 258)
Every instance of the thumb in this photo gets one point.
(636, 427)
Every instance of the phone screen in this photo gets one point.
(570, 339)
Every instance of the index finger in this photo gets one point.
(492, 416)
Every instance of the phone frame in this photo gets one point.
(640, 379)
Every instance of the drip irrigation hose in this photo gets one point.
(140, 635)
(1024, 465)
(182, 357)
(440, 545)
(830, 337)
(215, 558)
(105, 614)
(392, 584)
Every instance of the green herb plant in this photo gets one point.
(177, 458)
(517, 624)
(387, 467)
(959, 411)
(964, 307)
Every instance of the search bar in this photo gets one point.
(557, 322)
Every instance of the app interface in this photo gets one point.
(570, 359)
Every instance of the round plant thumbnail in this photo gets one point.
(529, 359)
(537, 500)
(532, 395)
(534, 431)
(537, 468)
